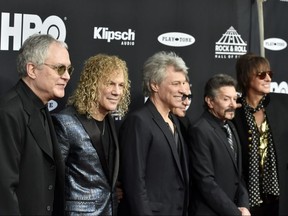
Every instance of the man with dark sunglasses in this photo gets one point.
(31, 167)
(186, 101)
(263, 74)
(262, 126)
(180, 112)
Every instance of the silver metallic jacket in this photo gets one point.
(87, 188)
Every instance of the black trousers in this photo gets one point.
(269, 207)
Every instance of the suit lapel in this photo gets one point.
(34, 121)
(39, 135)
(167, 133)
(221, 135)
(238, 147)
(183, 149)
(94, 133)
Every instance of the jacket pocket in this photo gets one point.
(156, 206)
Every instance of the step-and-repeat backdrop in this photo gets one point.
(208, 35)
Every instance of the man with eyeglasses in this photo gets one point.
(31, 167)
(262, 126)
(186, 101)
(180, 112)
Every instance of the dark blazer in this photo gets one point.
(89, 188)
(276, 107)
(218, 187)
(32, 176)
(155, 180)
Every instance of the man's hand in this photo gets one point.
(119, 191)
(244, 211)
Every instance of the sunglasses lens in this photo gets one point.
(184, 97)
(61, 70)
(262, 75)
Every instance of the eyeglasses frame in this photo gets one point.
(260, 74)
(57, 68)
(189, 96)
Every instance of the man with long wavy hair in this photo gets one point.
(88, 138)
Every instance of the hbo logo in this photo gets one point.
(25, 25)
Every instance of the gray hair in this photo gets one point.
(154, 70)
(34, 50)
(215, 83)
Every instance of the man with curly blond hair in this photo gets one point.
(88, 139)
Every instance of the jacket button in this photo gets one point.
(50, 187)
(48, 208)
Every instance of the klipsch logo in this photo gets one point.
(127, 38)
(176, 39)
(230, 45)
(275, 44)
(21, 26)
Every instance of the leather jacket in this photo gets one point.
(88, 190)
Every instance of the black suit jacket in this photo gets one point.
(219, 189)
(154, 178)
(276, 107)
(30, 172)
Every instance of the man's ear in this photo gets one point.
(154, 87)
(209, 102)
(30, 68)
